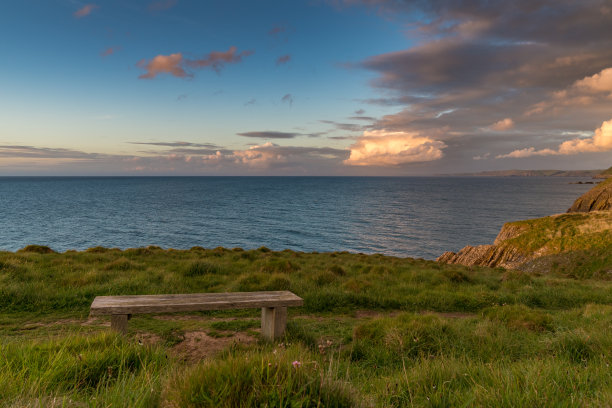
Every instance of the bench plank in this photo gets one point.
(135, 304)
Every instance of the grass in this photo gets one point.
(374, 331)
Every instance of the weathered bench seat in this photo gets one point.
(273, 306)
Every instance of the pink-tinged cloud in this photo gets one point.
(387, 148)
(109, 51)
(588, 91)
(217, 59)
(504, 124)
(85, 10)
(283, 59)
(161, 5)
(601, 141)
(600, 82)
(163, 64)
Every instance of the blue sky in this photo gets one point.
(304, 87)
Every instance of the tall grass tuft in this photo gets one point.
(284, 378)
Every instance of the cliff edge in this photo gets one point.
(578, 243)
(599, 198)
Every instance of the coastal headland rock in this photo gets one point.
(582, 236)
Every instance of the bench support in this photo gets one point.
(273, 322)
(119, 322)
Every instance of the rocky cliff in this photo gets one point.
(599, 198)
(578, 242)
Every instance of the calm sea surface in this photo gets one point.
(416, 217)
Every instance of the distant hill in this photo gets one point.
(535, 173)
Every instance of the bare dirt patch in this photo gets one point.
(373, 313)
(198, 345)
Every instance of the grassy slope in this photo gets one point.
(576, 244)
(520, 340)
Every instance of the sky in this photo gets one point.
(313, 87)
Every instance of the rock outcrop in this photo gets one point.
(542, 244)
(599, 198)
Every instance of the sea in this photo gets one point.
(419, 217)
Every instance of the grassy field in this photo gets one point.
(374, 331)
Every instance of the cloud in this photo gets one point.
(271, 155)
(175, 64)
(585, 92)
(288, 98)
(182, 158)
(109, 51)
(283, 59)
(601, 141)
(85, 10)
(365, 118)
(504, 124)
(351, 127)
(384, 148)
(472, 61)
(269, 134)
(359, 112)
(161, 5)
(217, 59)
(251, 101)
(177, 144)
(164, 64)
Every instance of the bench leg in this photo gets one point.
(273, 322)
(119, 323)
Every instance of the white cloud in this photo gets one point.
(386, 148)
(601, 141)
(504, 124)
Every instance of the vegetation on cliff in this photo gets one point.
(578, 243)
(374, 331)
(599, 198)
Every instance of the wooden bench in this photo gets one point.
(273, 307)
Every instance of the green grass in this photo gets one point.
(374, 331)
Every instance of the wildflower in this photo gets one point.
(296, 364)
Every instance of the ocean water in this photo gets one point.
(411, 216)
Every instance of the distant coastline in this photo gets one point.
(530, 173)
